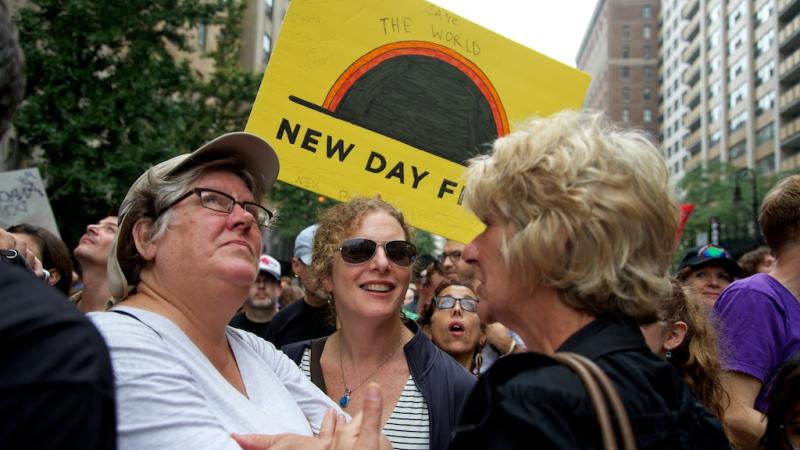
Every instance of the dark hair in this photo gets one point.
(55, 253)
(750, 261)
(426, 315)
(12, 70)
(783, 396)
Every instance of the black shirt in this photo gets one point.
(529, 401)
(241, 322)
(299, 322)
(56, 384)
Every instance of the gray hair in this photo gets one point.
(153, 195)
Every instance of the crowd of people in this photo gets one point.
(173, 330)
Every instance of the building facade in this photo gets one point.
(620, 52)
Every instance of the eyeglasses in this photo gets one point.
(454, 256)
(224, 203)
(361, 250)
(712, 251)
(466, 303)
(791, 433)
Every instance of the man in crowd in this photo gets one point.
(262, 303)
(56, 386)
(307, 318)
(92, 255)
(456, 268)
(759, 318)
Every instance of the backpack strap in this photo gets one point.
(317, 346)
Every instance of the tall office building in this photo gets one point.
(672, 109)
(732, 84)
(620, 52)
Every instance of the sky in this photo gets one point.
(552, 27)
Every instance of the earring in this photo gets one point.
(477, 360)
(668, 355)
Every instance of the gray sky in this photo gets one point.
(552, 27)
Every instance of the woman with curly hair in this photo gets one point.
(687, 338)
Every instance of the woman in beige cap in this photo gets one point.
(181, 265)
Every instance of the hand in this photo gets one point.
(498, 338)
(8, 240)
(362, 433)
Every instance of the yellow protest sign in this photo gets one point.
(392, 97)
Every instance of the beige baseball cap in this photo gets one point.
(260, 161)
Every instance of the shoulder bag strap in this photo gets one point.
(317, 345)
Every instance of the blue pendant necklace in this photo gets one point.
(344, 400)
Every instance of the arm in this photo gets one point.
(498, 337)
(745, 424)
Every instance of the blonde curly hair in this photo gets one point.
(588, 209)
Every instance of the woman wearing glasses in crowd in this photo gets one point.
(454, 324)
(708, 270)
(363, 257)
(181, 265)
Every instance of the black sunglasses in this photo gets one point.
(361, 250)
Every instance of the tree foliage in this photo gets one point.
(711, 191)
(110, 92)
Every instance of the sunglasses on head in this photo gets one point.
(467, 303)
(361, 250)
(712, 251)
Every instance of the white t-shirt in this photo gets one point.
(169, 395)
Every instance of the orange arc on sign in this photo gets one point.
(421, 48)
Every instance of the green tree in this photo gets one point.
(110, 92)
(711, 191)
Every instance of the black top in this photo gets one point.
(529, 401)
(56, 384)
(297, 322)
(443, 382)
(241, 322)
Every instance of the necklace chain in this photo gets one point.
(345, 398)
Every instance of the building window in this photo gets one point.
(737, 95)
(714, 89)
(737, 40)
(626, 72)
(648, 52)
(268, 7)
(647, 11)
(625, 52)
(714, 64)
(647, 93)
(764, 12)
(713, 14)
(626, 32)
(715, 114)
(736, 14)
(266, 43)
(202, 36)
(765, 134)
(737, 122)
(737, 150)
(765, 72)
(626, 115)
(737, 68)
(647, 32)
(765, 42)
(713, 40)
(765, 103)
(626, 94)
(647, 73)
(647, 115)
(714, 138)
(766, 164)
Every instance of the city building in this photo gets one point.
(672, 109)
(620, 52)
(733, 76)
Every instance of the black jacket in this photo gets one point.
(443, 382)
(529, 401)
